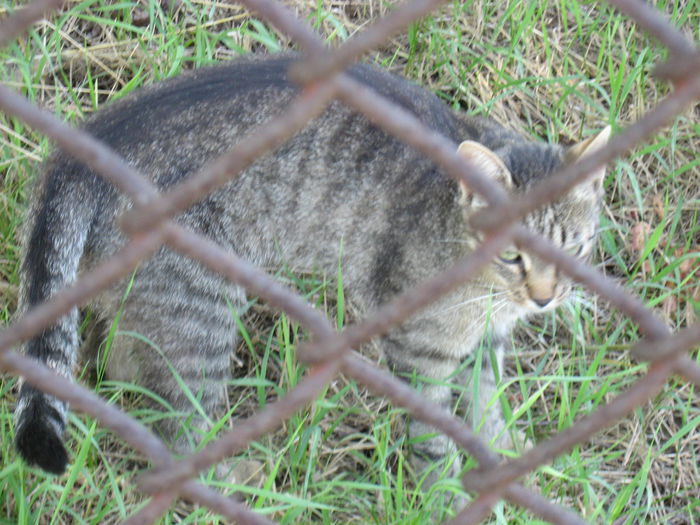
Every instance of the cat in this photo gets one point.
(340, 181)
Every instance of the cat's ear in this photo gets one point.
(489, 164)
(593, 187)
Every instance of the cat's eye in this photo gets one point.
(510, 256)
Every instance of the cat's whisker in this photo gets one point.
(578, 297)
(456, 241)
(573, 307)
(490, 313)
(469, 301)
(484, 285)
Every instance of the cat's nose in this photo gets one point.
(542, 302)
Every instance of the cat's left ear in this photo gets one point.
(593, 187)
(489, 164)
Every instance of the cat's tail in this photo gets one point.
(63, 207)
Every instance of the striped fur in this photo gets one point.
(340, 181)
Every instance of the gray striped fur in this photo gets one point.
(340, 181)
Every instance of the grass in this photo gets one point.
(554, 70)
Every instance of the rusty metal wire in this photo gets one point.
(320, 73)
(18, 22)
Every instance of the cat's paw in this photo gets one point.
(242, 472)
(521, 442)
(441, 487)
(513, 439)
(446, 502)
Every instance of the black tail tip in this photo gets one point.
(39, 445)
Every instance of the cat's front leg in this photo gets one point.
(433, 455)
(485, 411)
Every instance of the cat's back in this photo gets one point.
(339, 170)
(234, 97)
(241, 90)
(171, 129)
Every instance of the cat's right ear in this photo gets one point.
(488, 164)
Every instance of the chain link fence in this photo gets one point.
(320, 75)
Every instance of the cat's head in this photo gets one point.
(570, 222)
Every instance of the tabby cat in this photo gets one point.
(340, 181)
